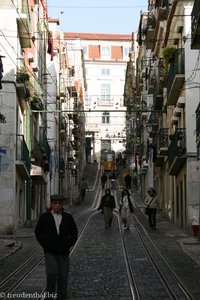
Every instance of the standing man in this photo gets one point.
(56, 232)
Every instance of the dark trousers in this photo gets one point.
(57, 269)
(108, 216)
(82, 195)
(103, 184)
(152, 217)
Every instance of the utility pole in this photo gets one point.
(61, 23)
(59, 141)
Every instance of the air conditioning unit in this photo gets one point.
(35, 68)
(174, 120)
(30, 58)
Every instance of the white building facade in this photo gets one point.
(106, 57)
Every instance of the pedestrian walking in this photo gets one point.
(83, 188)
(106, 206)
(150, 201)
(128, 180)
(103, 180)
(113, 178)
(56, 232)
(126, 208)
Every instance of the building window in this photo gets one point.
(126, 51)
(105, 72)
(105, 117)
(105, 52)
(85, 51)
(105, 92)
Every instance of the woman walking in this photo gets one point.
(126, 208)
(150, 201)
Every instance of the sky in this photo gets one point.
(99, 16)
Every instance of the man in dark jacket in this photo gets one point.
(128, 180)
(56, 232)
(107, 205)
(103, 180)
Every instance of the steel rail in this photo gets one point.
(150, 247)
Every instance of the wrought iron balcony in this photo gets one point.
(40, 154)
(23, 162)
(23, 92)
(162, 9)
(45, 145)
(177, 151)
(72, 87)
(176, 76)
(162, 146)
(163, 141)
(198, 126)
(23, 84)
(195, 26)
(37, 153)
(23, 23)
(158, 96)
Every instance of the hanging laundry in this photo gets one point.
(50, 44)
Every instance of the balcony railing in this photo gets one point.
(45, 145)
(72, 87)
(198, 126)
(23, 23)
(158, 96)
(176, 76)
(162, 7)
(163, 141)
(195, 26)
(40, 154)
(177, 151)
(37, 153)
(22, 155)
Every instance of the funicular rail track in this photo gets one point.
(159, 278)
(115, 239)
(20, 274)
(12, 283)
(111, 264)
(103, 257)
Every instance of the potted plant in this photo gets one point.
(151, 22)
(22, 75)
(168, 57)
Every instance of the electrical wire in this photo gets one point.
(24, 65)
(38, 52)
(94, 7)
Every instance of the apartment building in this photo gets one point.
(65, 116)
(168, 86)
(106, 57)
(24, 148)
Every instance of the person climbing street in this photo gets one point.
(126, 208)
(106, 206)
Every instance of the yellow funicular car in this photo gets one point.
(108, 160)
